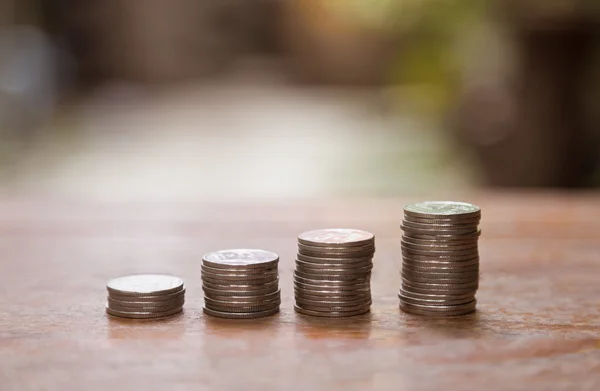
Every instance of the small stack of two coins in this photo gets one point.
(440, 258)
(241, 284)
(145, 296)
(333, 272)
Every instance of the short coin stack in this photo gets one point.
(440, 258)
(144, 296)
(241, 284)
(333, 272)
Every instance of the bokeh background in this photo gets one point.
(195, 99)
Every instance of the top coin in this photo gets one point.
(436, 209)
(145, 284)
(240, 257)
(342, 237)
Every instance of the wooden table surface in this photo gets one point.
(537, 326)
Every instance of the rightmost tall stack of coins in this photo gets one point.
(440, 258)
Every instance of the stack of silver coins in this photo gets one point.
(440, 258)
(241, 284)
(333, 272)
(144, 296)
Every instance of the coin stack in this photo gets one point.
(241, 284)
(144, 296)
(333, 272)
(440, 259)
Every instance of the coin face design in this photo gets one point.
(145, 284)
(241, 257)
(442, 208)
(336, 236)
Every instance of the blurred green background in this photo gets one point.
(190, 99)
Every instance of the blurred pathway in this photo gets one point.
(234, 140)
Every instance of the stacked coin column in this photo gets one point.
(333, 272)
(144, 296)
(440, 258)
(241, 284)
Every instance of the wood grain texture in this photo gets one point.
(537, 326)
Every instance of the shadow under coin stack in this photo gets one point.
(440, 259)
(145, 296)
(241, 284)
(333, 272)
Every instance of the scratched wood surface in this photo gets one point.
(537, 326)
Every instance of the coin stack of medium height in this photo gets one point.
(145, 296)
(241, 284)
(333, 272)
(440, 258)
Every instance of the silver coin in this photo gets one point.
(449, 272)
(469, 254)
(361, 292)
(333, 255)
(236, 303)
(239, 276)
(239, 282)
(438, 280)
(445, 267)
(441, 226)
(435, 314)
(340, 266)
(331, 314)
(144, 305)
(246, 293)
(334, 260)
(333, 296)
(439, 231)
(149, 298)
(241, 309)
(239, 270)
(242, 298)
(240, 286)
(427, 285)
(440, 275)
(346, 272)
(433, 296)
(409, 245)
(441, 220)
(447, 290)
(443, 237)
(442, 308)
(462, 260)
(336, 237)
(337, 250)
(143, 314)
(448, 209)
(328, 303)
(441, 244)
(333, 309)
(454, 289)
(145, 285)
(301, 283)
(334, 277)
(240, 315)
(429, 302)
(248, 258)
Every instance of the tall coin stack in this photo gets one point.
(440, 259)
(241, 284)
(144, 296)
(333, 272)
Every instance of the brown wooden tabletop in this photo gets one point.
(537, 326)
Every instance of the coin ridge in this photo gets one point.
(250, 315)
(143, 315)
(111, 289)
